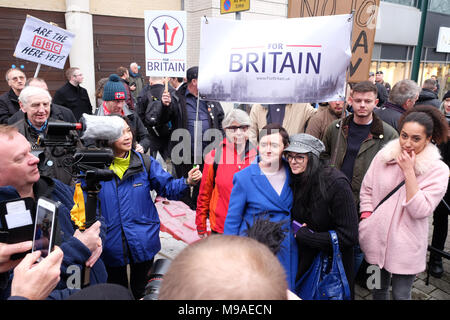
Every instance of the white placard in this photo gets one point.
(165, 43)
(443, 44)
(275, 61)
(44, 43)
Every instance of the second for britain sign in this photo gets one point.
(165, 43)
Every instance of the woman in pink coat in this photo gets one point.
(395, 236)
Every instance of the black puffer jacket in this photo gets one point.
(428, 97)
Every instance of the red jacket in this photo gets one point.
(213, 198)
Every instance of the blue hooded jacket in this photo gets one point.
(131, 217)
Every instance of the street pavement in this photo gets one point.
(437, 289)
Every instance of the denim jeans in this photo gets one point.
(401, 286)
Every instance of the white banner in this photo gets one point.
(44, 43)
(165, 43)
(275, 61)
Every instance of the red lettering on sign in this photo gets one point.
(45, 44)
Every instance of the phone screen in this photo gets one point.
(43, 228)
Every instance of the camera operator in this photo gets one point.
(114, 96)
(20, 178)
(35, 103)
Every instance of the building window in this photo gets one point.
(403, 2)
(440, 6)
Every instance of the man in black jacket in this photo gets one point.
(154, 108)
(428, 94)
(57, 112)
(9, 101)
(184, 115)
(72, 95)
(35, 103)
(403, 96)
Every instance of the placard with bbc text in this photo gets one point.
(44, 43)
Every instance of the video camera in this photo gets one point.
(88, 163)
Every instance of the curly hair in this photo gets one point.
(430, 118)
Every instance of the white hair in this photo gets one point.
(237, 115)
(31, 91)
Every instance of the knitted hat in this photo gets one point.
(447, 95)
(114, 89)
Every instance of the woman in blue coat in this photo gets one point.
(131, 217)
(262, 189)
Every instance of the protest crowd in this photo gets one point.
(283, 187)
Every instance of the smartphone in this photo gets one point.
(44, 226)
(295, 226)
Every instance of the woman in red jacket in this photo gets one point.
(233, 154)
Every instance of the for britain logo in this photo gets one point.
(165, 34)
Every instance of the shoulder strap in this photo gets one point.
(337, 259)
(390, 194)
(147, 163)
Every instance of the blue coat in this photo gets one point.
(75, 252)
(252, 194)
(131, 217)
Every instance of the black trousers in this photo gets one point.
(161, 145)
(440, 226)
(139, 273)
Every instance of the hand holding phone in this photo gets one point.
(36, 281)
(44, 227)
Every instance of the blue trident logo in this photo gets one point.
(165, 41)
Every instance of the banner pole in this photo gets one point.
(348, 67)
(37, 70)
(196, 129)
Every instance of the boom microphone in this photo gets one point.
(92, 127)
(102, 127)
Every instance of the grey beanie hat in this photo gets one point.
(304, 143)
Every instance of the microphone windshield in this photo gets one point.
(102, 127)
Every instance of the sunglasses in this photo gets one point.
(235, 128)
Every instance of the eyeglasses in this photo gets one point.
(235, 128)
(78, 75)
(296, 157)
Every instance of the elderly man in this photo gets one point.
(20, 178)
(35, 104)
(137, 79)
(114, 96)
(56, 111)
(403, 96)
(9, 101)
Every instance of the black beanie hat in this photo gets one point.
(447, 95)
(114, 89)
